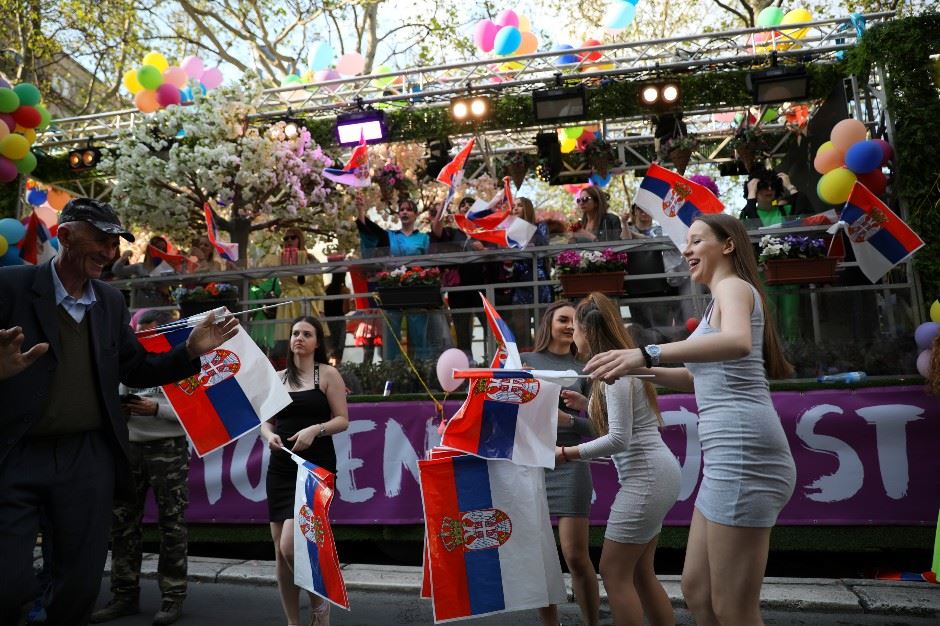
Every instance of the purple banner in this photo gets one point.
(869, 456)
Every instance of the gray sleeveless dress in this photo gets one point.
(748, 473)
(647, 469)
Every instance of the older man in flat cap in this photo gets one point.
(65, 344)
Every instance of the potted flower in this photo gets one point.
(678, 150)
(516, 165)
(389, 178)
(600, 155)
(583, 271)
(795, 259)
(202, 298)
(747, 142)
(409, 288)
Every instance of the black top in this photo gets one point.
(308, 407)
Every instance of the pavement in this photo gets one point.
(816, 595)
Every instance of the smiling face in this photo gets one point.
(562, 330)
(303, 339)
(706, 253)
(85, 250)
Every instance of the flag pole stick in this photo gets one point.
(195, 319)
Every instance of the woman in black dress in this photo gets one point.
(305, 426)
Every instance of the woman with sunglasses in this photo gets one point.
(296, 288)
(596, 224)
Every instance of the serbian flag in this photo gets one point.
(879, 238)
(178, 262)
(316, 565)
(490, 542)
(508, 354)
(491, 221)
(236, 389)
(228, 251)
(674, 202)
(452, 173)
(356, 171)
(36, 245)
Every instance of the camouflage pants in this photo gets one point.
(163, 466)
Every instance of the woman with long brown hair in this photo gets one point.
(748, 472)
(597, 223)
(625, 413)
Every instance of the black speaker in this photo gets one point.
(438, 156)
(548, 150)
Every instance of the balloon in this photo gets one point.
(27, 164)
(864, 157)
(351, 64)
(9, 101)
(168, 95)
(923, 363)
(12, 230)
(290, 79)
(935, 311)
(54, 242)
(193, 67)
(529, 43)
(691, 324)
(131, 83)
(58, 198)
(149, 77)
(796, 16)
(186, 95)
(925, 333)
(847, 133)
(28, 94)
(566, 59)
(321, 56)
(175, 76)
(524, 24)
(4, 246)
(28, 117)
(156, 60)
(573, 132)
(886, 151)
(146, 101)
(875, 180)
(451, 359)
(211, 78)
(568, 145)
(4, 130)
(589, 56)
(827, 160)
(825, 146)
(835, 186)
(14, 147)
(770, 115)
(324, 75)
(484, 34)
(771, 16)
(36, 196)
(619, 15)
(8, 121)
(384, 81)
(29, 134)
(723, 118)
(12, 257)
(507, 40)
(600, 181)
(508, 18)
(8, 171)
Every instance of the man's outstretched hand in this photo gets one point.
(12, 361)
(208, 335)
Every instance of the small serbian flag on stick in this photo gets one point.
(178, 262)
(879, 238)
(236, 389)
(490, 542)
(228, 251)
(674, 202)
(356, 171)
(505, 340)
(452, 173)
(316, 564)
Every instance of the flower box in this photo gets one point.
(580, 285)
(800, 271)
(411, 297)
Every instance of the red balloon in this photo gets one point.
(875, 180)
(886, 150)
(691, 324)
(27, 116)
(590, 56)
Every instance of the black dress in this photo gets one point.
(308, 407)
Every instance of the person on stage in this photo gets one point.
(748, 472)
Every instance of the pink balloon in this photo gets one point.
(168, 95)
(923, 363)
(211, 78)
(8, 171)
(323, 75)
(484, 34)
(351, 64)
(724, 118)
(193, 67)
(508, 18)
(847, 133)
(886, 150)
(175, 76)
(451, 359)
(827, 160)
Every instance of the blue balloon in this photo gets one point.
(12, 257)
(566, 59)
(620, 15)
(36, 196)
(186, 95)
(601, 181)
(864, 156)
(12, 230)
(321, 56)
(507, 40)
(54, 242)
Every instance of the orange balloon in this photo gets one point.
(528, 45)
(146, 101)
(847, 133)
(827, 160)
(57, 198)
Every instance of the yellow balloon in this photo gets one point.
(4, 246)
(131, 83)
(14, 147)
(524, 24)
(796, 16)
(826, 146)
(568, 145)
(935, 311)
(157, 60)
(29, 134)
(835, 186)
(510, 66)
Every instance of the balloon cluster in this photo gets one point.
(21, 115)
(11, 231)
(323, 68)
(619, 15)
(577, 138)
(156, 84)
(510, 34)
(924, 336)
(847, 157)
(784, 38)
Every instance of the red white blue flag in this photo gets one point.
(179, 262)
(356, 171)
(235, 390)
(452, 173)
(490, 542)
(36, 245)
(508, 354)
(316, 564)
(674, 202)
(879, 238)
(492, 221)
(228, 251)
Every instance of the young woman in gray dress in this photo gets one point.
(626, 414)
(569, 486)
(748, 471)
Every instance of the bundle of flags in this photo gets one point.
(356, 171)
(489, 542)
(674, 202)
(228, 251)
(235, 390)
(36, 246)
(492, 221)
(316, 564)
(452, 173)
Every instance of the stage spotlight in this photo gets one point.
(660, 94)
(470, 108)
(559, 104)
(352, 127)
(649, 95)
(670, 93)
(83, 159)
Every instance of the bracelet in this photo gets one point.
(563, 455)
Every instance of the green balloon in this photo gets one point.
(28, 94)
(27, 164)
(45, 117)
(290, 79)
(9, 101)
(770, 115)
(385, 81)
(149, 77)
(771, 16)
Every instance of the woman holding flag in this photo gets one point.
(748, 473)
(626, 414)
(304, 427)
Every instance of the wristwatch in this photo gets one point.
(651, 354)
(322, 431)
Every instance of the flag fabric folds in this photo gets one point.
(316, 564)
(356, 171)
(490, 541)
(178, 262)
(236, 389)
(451, 173)
(492, 221)
(879, 238)
(508, 354)
(228, 251)
(36, 246)
(674, 202)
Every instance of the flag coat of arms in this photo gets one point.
(236, 389)
(674, 202)
(879, 238)
(490, 542)
(228, 251)
(316, 564)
